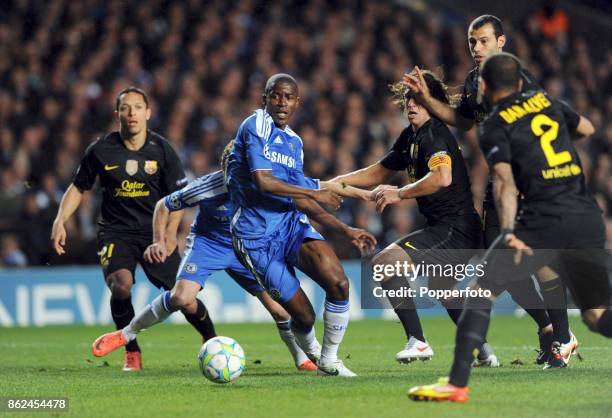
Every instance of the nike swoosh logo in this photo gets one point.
(110, 167)
(333, 372)
(422, 348)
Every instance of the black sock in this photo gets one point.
(471, 332)
(123, 312)
(410, 321)
(454, 314)
(201, 321)
(553, 293)
(527, 297)
(604, 325)
(405, 309)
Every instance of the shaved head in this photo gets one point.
(501, 71)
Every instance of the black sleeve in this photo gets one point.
(464, 108)
(173, 175)
(396, 158)
(435, 144)
(87, 171)
(572, 118)
(494, 143)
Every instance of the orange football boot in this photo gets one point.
(133, 361)
(308, 366)
(107, 343)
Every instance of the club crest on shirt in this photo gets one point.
(150, 167)
(131, 167)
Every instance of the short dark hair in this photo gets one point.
(494, 21)
(501, 71)
(131, 89)
(278, 78)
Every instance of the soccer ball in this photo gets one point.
(222, 359)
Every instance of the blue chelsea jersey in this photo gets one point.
(261, 145)
(215, 208)
(210, 194)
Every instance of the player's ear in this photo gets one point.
(148, 113)
(520, 84)
(263, 100)
(501, 41)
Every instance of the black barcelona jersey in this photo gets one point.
(418, 152)
(531, 131)
(469, 107)
(132, 181)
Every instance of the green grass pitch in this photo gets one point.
(56, 362)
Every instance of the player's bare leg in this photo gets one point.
(282, 319)
(317, 259)
(120, 283)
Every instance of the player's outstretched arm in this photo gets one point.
(365, 178)
(267, 183)
(344, 190)
(439, 177)
(360, 238)
(446, 113)
(70, 202)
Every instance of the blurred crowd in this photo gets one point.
(204, 64)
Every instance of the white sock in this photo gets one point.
(154, 313)
(335, 318)
(307, 341)
(284, 330)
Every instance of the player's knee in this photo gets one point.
(181, 299)
(591, 318)
(119, 285)
(339, 289)
(279, 316)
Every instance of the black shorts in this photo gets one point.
(123, 251)
(573, 246)
(450, 242)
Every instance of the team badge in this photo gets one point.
(292, 147)
(274, 294)
(175, 202)
(131, 167)
(150, 167)
(191, 268)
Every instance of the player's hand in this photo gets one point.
(58, 236)
(362, 239)
(386, 197)
(156, 253)
(521, 248)
(417, 85)
(379, 188)
(326, 197)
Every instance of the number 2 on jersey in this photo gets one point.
(547, 137)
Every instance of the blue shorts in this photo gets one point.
(273, 260)
(204, 256)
